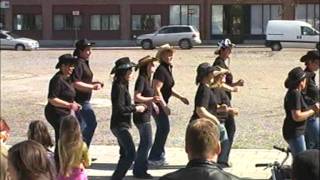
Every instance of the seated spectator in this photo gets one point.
(28, 160)
(38, 131)
(4, 134)
(306, 165)
(203, 147)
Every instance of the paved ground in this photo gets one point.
(243, 161)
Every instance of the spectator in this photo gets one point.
(203, 147)
(38, 132)
(28, 160)
(73, 151)
(4, 135)
(312, 96)
(306, 165)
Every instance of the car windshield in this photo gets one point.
(13, 35)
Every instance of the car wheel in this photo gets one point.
(318, 46)
(185, 44)
(146, 44)
(20, 47)
(276, 46)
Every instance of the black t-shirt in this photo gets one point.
(83, 73)
(312, 91)
(164, 74)
(143, 86)
(121, 106)
(204, 98)
(60, 87)
(229, 78)
(221, 98)
(293, 101)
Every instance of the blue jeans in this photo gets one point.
(141, 162)
(224, 154)
(297, 144)
(313, 133)
(127, 152)
(163, 127)
(88, 122)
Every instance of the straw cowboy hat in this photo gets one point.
(217, 70)
(226, 43)
(122, 64)
(163, 48)
(145, 60)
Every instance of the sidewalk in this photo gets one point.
(243, 161)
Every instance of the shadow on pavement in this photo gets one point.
(112, 166)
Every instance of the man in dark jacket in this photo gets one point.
(202, 146)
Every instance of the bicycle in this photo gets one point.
(279, 171)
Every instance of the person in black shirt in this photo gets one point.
(144, 94)
(61, 95)
(121, 115)
(202, 146)
(163, 83)
(84, 84)
(312, 96)
(224, 113)
(297, 111)
(223, 52)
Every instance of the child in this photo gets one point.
(4, 134)
(73, 152)
(38, 131)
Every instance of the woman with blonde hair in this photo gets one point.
(73, 151)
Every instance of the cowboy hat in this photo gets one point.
(145, 60)
(203, 70)
(163, 48)
(311, 55)
(296, 75)
(217, 70)
(122, 64)
(66, 59)
(226, 43)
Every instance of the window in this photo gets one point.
(146, 22)
(217, 19)
(307, 31)
(104, 22)
(27, 22)
(185, 15)
(308, 13)
(166, 31)
(2, 36)
(261, 14)
(67, 22)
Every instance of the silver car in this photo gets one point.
(9, 40)
(185, 36)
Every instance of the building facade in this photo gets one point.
(124, 19)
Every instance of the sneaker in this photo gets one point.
(143, 176)
(158, 163)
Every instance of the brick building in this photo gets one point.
(122, 19)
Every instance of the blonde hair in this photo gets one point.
(39, 132)
(70, 143)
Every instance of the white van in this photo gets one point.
(285, 33)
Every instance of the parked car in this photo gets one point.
(9, 40)
(185, 36)
(286, 33)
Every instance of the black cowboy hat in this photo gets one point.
(122, 64)
(203, 70)
(66, 59)
(83, 43)
(311, 55)
(296, 75)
